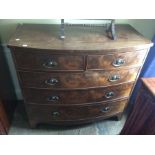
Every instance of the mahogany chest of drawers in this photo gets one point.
(83, 78)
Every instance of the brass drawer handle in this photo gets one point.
(118, 62)
(52, 81)
(114, 78)
(53, 98)
(55, 114)
(50, 64)
(109, 94)
(106, 109)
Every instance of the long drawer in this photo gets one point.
(47, 114)
(86, 79)
(115, 61)
(41, 96)
(46, 61)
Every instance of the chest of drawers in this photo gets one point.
(84, 78)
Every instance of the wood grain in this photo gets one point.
(87, 79)
(38, 61)
(41, 96)
(131, 59)
(82, 73)
(44, 113)
(44, 36)
(141, 120)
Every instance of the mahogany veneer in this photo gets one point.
(83, 78)
(48, 96)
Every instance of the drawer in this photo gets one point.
(117, 60)
(46, 61)
(49, 113)
(41, 96)
(88, 79)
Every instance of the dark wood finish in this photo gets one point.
(77, 80)
(41, 96)
(131, 59)
(141, 120)
(150, 84)
(44, 36)
(58, 113)
(4, 122)
(41, 61)
(81, 72)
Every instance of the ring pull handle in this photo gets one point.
(118, 62)
(106, 109)
(50, 64)
(52, 81)
(55, 114)
(53, 98)
(114, 78)
(109, 94)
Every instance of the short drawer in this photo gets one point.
(49, 113)
(117, 60)
(46, 61)
(88, 79)
(40, 96)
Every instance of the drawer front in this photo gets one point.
(60, 97)
(114, 61)
(45, 61)
(47, 113)
(87, 79)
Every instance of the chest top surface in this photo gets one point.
(45, 36)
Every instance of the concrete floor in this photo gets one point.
(106, 127)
